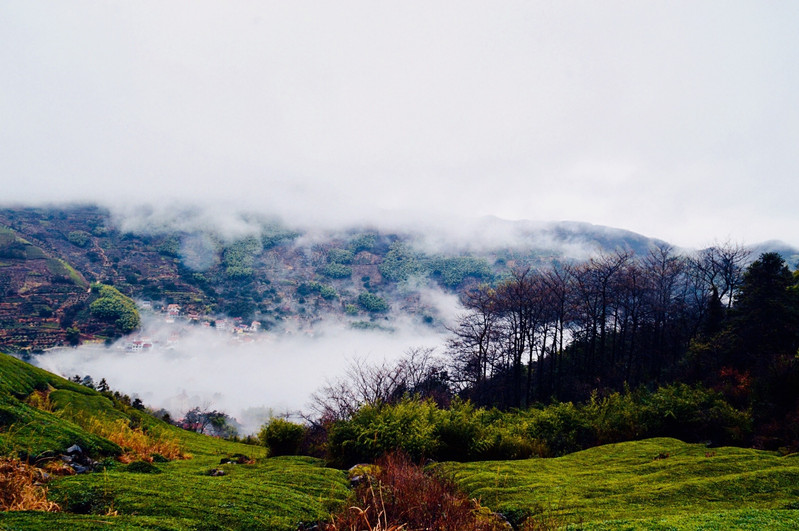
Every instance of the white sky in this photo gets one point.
(679, 119)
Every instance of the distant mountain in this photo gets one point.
(263, 272)
(789, 253)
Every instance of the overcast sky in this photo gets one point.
(679, 119)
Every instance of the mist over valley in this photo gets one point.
(244, 312)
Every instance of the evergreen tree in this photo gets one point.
(766, 318)
(765, 334)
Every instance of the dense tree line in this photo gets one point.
(623, 320)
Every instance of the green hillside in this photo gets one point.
(29, 431)
(657, 483)
(261, 493)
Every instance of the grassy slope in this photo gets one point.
(27, 431)
(634, 485)
(620, 486)
(273, 493)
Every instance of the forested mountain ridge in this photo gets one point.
(272, 274)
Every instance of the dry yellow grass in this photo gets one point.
(135, 443)
(40, 400)
(22, 489)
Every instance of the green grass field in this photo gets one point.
(652, 484)
(275, 493)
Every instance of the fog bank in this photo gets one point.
(191, 366)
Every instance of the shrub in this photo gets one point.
(459, 432)
(142, 467)
(452, 271)
(693, 414)
(327, 292)
(336, 270)
(281, 437)
(339, 256)
(79, 238)
(376, 430)
(309, 288)
(617, 417)
(465, 433)
(112, 306)
(363, 242)
(372, 303)
(506, 442)
(563, 427)
(400, 263)
(21, 488)
(170, 247)
(239, 257)
(398, 494)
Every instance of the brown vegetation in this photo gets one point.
(400, 495)
(138, 445)
(22, 489)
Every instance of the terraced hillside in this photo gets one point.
(657, 483)
(43, 415)
(209, 483)
(34, 286)
(280, 277)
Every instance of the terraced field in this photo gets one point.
(257, 493)
(652, 484)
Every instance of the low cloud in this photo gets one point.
(430, 233)
(199, 366)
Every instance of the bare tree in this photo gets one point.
(474, 341)
(419, 372)
(559, 281)
(721, 266)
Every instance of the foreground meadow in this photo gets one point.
(657, 483)
(147, 473)
(151, 475)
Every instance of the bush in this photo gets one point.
(113, 307)
(363, 242)
(239, 257)
(693, 414)
(400, 263)
(339, 256)
(617, 417)
(281, 437)
(79, 238)
(142, 467)
(563, 427)
(459, 432)
(466, 433)
(327, 292)
(372, 303)
(422, 430)
(452, 271)
(336, 270)
(376, 430)
(398, 494)
(309, 288)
